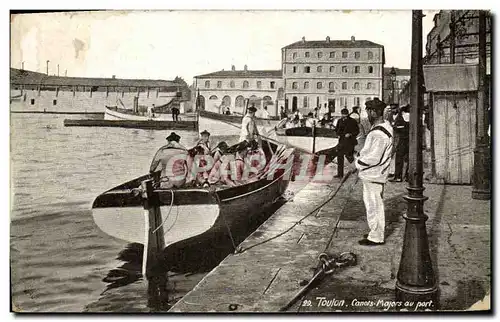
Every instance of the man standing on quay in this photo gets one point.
(347, 130)
(373, 165)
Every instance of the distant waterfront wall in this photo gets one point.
(81, 101)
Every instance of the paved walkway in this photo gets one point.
(264, 278)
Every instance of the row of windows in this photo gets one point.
(331, 85)
(344, 69)
(334, 54)
(343, 102)
(225, 98)
(246, 84)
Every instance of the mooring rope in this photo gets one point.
(344, 179)
(169, 211)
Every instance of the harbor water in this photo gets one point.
(59, 257)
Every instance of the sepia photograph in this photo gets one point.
(250, 161)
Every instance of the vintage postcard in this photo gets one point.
(264, 161)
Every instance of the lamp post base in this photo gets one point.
(423, 298)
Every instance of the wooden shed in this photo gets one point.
(453, 98)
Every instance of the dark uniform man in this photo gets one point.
(347, 130)
(402, 130)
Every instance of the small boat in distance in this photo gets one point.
(302, 137)
(120, 114)
(192, 216)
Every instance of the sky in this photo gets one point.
(165, 44)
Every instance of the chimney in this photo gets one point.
(303, 40)
(245, 68)
(233, 68)
(113, 77)
(353, 39)
(327, 38)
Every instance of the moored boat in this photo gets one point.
(192, 215)
(302, 137)
(114, 113)
(222, 124)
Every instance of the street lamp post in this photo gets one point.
(392, 76)
(48, 67)
(415, 280)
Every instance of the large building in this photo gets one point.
(233, 88)
(332, 74)
(32, 91)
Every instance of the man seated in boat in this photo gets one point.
(219, 151)
(310, 120)
(173, 165)
(228, 111)
(325, 122)
(204, 142)
(255, 160)
(198, 166)
(249, 129)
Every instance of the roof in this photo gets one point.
(399, 71)
(243, 74)
(26, 77)
(334, 44)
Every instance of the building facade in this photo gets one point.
(32, 91)
(233, 88)
(332, 74)
(393, 89)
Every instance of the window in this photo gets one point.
(307, 54)
(319, 85)
(295, 85)
(54, 102)
(357, 54)
(307, 69)
(356, 69)
(370, 55)
(370, 69)
(331, 85)
(344, 69)
(369, 86)
(294, 69)
(32, 101)
(219, 84)
(207, 84)
(344, 86)
(320, 54)
(332, 54)
(344, 54)
(332, 69)
(306, 85)
(356, 85)
(319, 69)
(213, 97)
(259, 84)
(306, 101)
(356, 101)
(272, 84)
(245, 84)
(341, 101)
(294, 55)
(231, 84)
(240, 101)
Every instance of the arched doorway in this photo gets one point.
(239, 104)
(226, 101)
(201, 102)
(294, 103)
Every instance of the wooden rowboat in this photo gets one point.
(113, 113)
(192, 215)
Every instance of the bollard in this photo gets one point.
(154, 244)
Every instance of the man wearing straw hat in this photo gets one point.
(249, 131)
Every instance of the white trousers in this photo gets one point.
(373, 194)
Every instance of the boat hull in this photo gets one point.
(219, 124)
(301, 138)
(120, 115)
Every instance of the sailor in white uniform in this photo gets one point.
(373, 165)
(249, 131)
